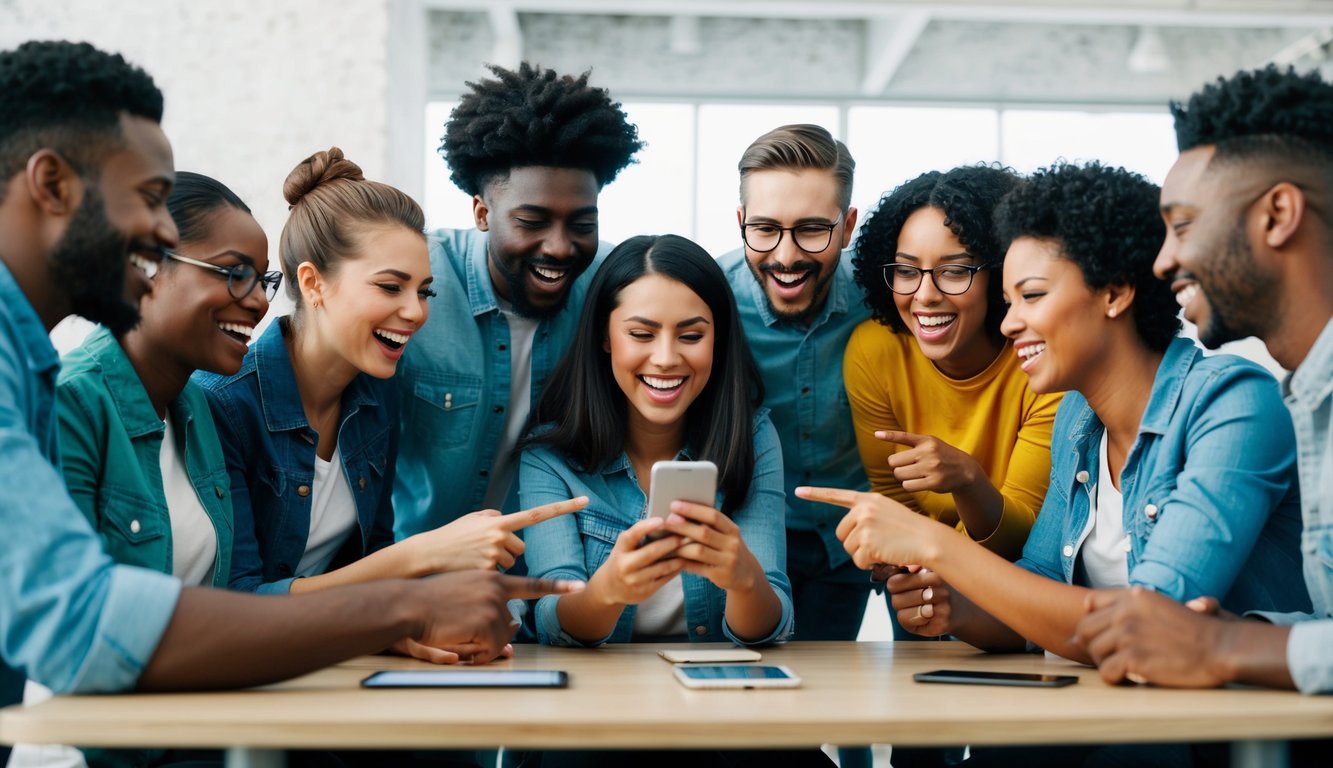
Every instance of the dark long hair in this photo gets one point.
(585, 408)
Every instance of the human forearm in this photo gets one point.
(589, 616)
(395, 562)
(980, 506)
(753, 611)
(1251, 652)
(219, 639)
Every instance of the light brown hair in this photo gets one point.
(331, 203)
(800, 146)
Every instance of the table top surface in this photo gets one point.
(626, 696)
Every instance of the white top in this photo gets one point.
(663, 614)
(194, 541)
(332, 515)
(503, 467)
(1106, 547)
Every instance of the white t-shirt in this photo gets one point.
(1105, 549)
(663, 614)
(503, 468)
(332, 515)
(194, 541)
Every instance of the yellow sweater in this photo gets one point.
(992, 416)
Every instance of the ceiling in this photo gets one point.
(949, 51)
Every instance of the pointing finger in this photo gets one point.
(901, 438)
(836, 496)
(517, 521)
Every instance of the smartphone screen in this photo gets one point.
(994, 678)
(493, 678)
(734, 672)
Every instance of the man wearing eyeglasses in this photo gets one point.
(798, 305)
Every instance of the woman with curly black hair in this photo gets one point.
(1171, 470)
(945, 420)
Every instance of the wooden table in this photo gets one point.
(625, 697)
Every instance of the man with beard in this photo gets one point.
(85, 172)
(1248, 252)
(799, 304)
(534, 149)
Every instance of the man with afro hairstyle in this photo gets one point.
(533, 148)
(85, 172)
(1248, 252)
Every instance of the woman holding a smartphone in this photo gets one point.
(658, 371)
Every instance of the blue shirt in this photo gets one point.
(803, 390)
(1309, 396)
(574, 546)
(454, 380)
(1211, 501)
(69, 618)
(270, 452)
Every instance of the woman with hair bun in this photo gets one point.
(309, 423)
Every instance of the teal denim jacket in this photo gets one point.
(110, 440)
(574, 546)
(1211, 498)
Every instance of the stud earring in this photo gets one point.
(1111, 312)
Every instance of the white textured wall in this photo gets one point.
(251, 86)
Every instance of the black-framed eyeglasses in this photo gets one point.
(811, 237)
(950, 279)
(241, 278)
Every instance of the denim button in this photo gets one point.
(1082, 476)
(1150, 511)
(701, 630)
(134, 526)
(303, 491)
(1069, 550)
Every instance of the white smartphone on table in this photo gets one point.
(736, 676)
(710, 655)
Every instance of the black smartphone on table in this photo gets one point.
(486, 678)
(970, 677)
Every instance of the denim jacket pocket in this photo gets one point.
(599, 532)
(132, 527)
(450, 403)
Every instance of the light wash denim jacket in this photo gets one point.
(110, 444)
(574, 546)
(1211, 501)
(454, 380)
(270, 452)
(69, 617)
(803, 390)
(1309, 396)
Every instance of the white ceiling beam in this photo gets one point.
(888, 43)
(507, 49)
(1162, 13)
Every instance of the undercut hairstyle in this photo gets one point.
(331, 204)
(582, 412)
(1266, 113)
(798, 147)
(535, 117)
(193, 201)
(967, 196)
(68, 97)
(1107, 221)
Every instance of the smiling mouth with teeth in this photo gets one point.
(392, 340)
(1185, 295)
(241, 333)
(790, 278)
(663, 384)
(147, 266)
(934, 321)
(547, 274)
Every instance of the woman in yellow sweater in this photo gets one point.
(945, 420)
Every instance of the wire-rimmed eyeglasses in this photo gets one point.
(950, 279)
(241, 278)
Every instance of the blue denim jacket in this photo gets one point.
(69, 617)
(1211, 501)
(803, 390)
(270, 452)
(574, 546)
(1309, 396)
(454, 380)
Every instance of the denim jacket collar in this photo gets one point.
(1312, 381)
(1167, 387)
(837, 300)
(32, 339)
(127, 389)
(279, 397)
(480, 290)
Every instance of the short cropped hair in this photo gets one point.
(1107, 221)
(799, 147)
(1266, 112)
(68, 97)
(536, 117)
(967, 195)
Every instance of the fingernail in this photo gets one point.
(928, 594)
(674, 518)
